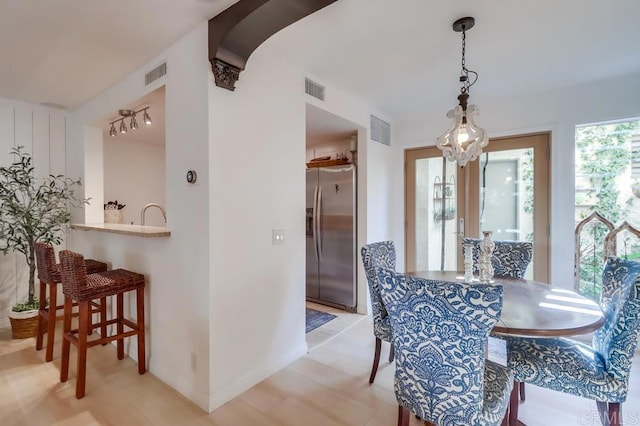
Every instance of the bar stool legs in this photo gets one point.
(79, 337)
(142, 364)
(49, 315)
(49, 275)
(41, 307)
(66, 343)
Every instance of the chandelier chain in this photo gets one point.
(464, 73)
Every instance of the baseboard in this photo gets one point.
(254, 377)
(184, 387)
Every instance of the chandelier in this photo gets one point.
(464, 140)
(133, 123)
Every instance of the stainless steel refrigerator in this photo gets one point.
(331, 236)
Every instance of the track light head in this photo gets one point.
(134, 123)
(123, 128)
(112, 130)
(146, 118)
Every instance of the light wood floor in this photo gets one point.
(327, 387)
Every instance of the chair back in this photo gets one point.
(616, 341)
(439, 332)
(73, 272)
(510, 258)
(383, 255)
(46, 263)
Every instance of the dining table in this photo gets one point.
(534, 309)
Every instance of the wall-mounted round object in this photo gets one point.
(192, 176)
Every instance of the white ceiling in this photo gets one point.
(401, 57)
(68, 51)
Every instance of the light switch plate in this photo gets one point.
(277, 236)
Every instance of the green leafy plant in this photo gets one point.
(603, 157)
(26, 306)
(33, 210)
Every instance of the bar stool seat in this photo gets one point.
(80, 287)
(49, 276)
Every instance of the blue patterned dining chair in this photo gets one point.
(510, 258)
(440, 330)
(382, 254)
(600, 371)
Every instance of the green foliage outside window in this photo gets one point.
(603, 183)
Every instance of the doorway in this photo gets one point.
(506, 191)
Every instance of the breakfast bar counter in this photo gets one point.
(119, 228)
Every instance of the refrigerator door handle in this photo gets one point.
(314, 220)
(319, 225)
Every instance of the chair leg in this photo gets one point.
(403, 416)
(376, 360)
(119, 324)
(513, 405)
(41, 313)
(142, 360)
(522, 395)
(66, 343)
(615, 414)
(90, 320)
(610, 414)
(505, 419)
(51, 320)
(103, 318)
(391, 353)
(83, 332)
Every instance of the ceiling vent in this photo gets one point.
(314, 89)
(155, 74)
(380, 131)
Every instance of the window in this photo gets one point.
(607, 180)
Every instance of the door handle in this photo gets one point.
(319, 218)
(314, 221)
(461, 227)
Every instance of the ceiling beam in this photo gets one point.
(236, 32)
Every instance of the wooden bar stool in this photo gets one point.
(49, 275)
(79, 287)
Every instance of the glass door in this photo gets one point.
(505, 191)
(432, 209)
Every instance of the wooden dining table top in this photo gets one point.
(534, 309)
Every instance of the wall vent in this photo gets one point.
(314, 89)
(155, 74)
(380, 131)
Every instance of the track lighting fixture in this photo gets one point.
(133, 123)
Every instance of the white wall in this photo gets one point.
(42, 132)
(257, 159)
(176, 268)
(225, 306)
(134, 174)
(558, 111)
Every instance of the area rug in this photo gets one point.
(315, 319)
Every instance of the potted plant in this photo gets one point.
(32, 210)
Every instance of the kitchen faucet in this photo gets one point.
(144, 209)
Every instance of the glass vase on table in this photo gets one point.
(485, 267)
